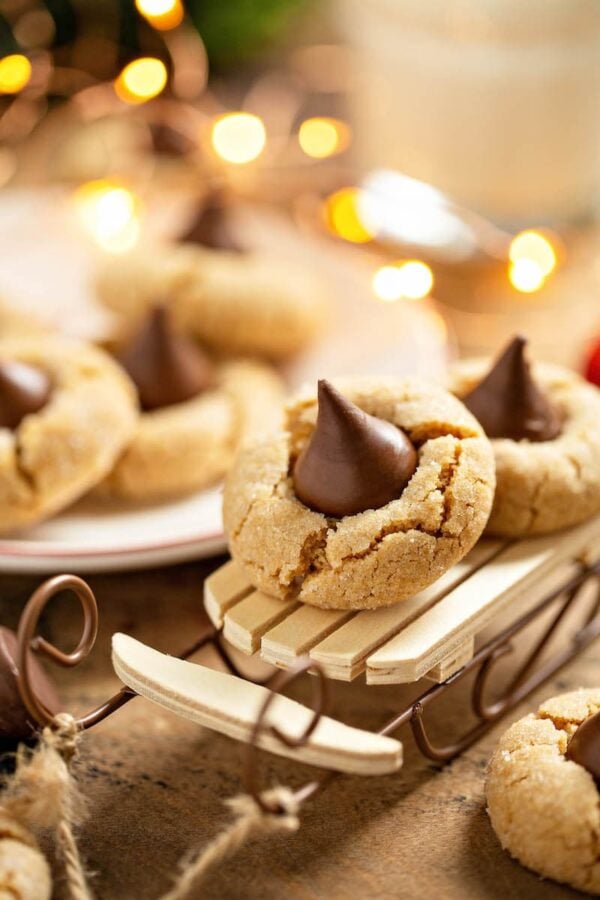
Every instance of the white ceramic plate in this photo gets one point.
(38, 232)
(93, 537)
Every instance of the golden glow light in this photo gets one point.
(161, 14)
(238, 137)
(342, 216)
(109, 213)
(526, 275)
(411, 280)
(323, 137)
(15, 72)
(141, 80)
(533, 246)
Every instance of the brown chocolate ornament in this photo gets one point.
(353, 461)
(24, 389)
(211, 226)
(166, 367)
(509, 404)
(584, 746)
(15, 721)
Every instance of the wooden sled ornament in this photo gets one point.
(432, 634)
(439, 634)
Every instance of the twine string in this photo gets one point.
(42, 794)
(250, 822)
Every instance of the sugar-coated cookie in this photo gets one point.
(388, 513)
(240, 303)
(194, 413)
(544, 425)
(67, 410)
(544, 805)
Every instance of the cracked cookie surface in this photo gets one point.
(190, 445)
(58, 453)
(233, 303)
(544, 807)
(381, 556)
(546, 485)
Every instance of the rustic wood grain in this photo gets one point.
(155, 783)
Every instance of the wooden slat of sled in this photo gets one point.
(224, 588)
(455, 660)
(298, 632)
(343, 654)
(463, 612)
(561, 574)
(289, 631)
(247, 621)
(230, 705)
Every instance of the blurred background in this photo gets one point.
(438, 159)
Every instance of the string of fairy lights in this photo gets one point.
(110, 208)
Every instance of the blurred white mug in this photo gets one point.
(496, 102)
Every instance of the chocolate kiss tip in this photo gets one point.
(584, 746)
(24, 390)
(167, 368)
(509, 404)
(353, 461)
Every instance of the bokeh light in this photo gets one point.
(526, 275)
(161, 14)
(533, 246)
(141, 80)
(109, 213)
(409, 280)
(15, 72)
(342, 215)
(321, 137)
(238, 137)
(532, 258)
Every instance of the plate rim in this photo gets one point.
(27, 549)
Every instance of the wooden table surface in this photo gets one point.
(156, 784)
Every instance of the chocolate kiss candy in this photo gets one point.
(584, 746)
(15, 721)
(353, 461)
(165, 367)
(509, 404)
(211, 227)
(23, 390)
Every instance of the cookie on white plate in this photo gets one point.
(67, 410)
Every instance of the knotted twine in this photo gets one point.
(250, 821)
(41, 795)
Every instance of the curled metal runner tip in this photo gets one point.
(28, 639)
(263, 727)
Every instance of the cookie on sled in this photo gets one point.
(373, 491)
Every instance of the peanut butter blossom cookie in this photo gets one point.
(544, 423)
(67, 410)
(375, 488)
(232, 298)
(542, 790)
(194, 412)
